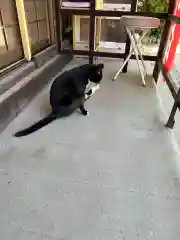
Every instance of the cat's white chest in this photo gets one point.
(91, 86)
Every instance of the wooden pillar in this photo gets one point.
(23, 28)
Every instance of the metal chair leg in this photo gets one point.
(138, 48)
(120, 70)
(137, 56)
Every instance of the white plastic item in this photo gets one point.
(69, 4)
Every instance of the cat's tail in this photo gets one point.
(43, 122)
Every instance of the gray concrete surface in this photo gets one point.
(112, 175)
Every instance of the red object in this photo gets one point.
(174, 35)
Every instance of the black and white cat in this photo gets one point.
(68, 92)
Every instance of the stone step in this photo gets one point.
(15, 76)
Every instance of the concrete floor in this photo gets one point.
(112, 175)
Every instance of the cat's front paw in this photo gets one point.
(85, 113)
(88, 94)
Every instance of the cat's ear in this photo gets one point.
(100, 66)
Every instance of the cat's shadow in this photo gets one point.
(45, 109)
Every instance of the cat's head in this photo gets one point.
(96, 73)
(95, 77)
